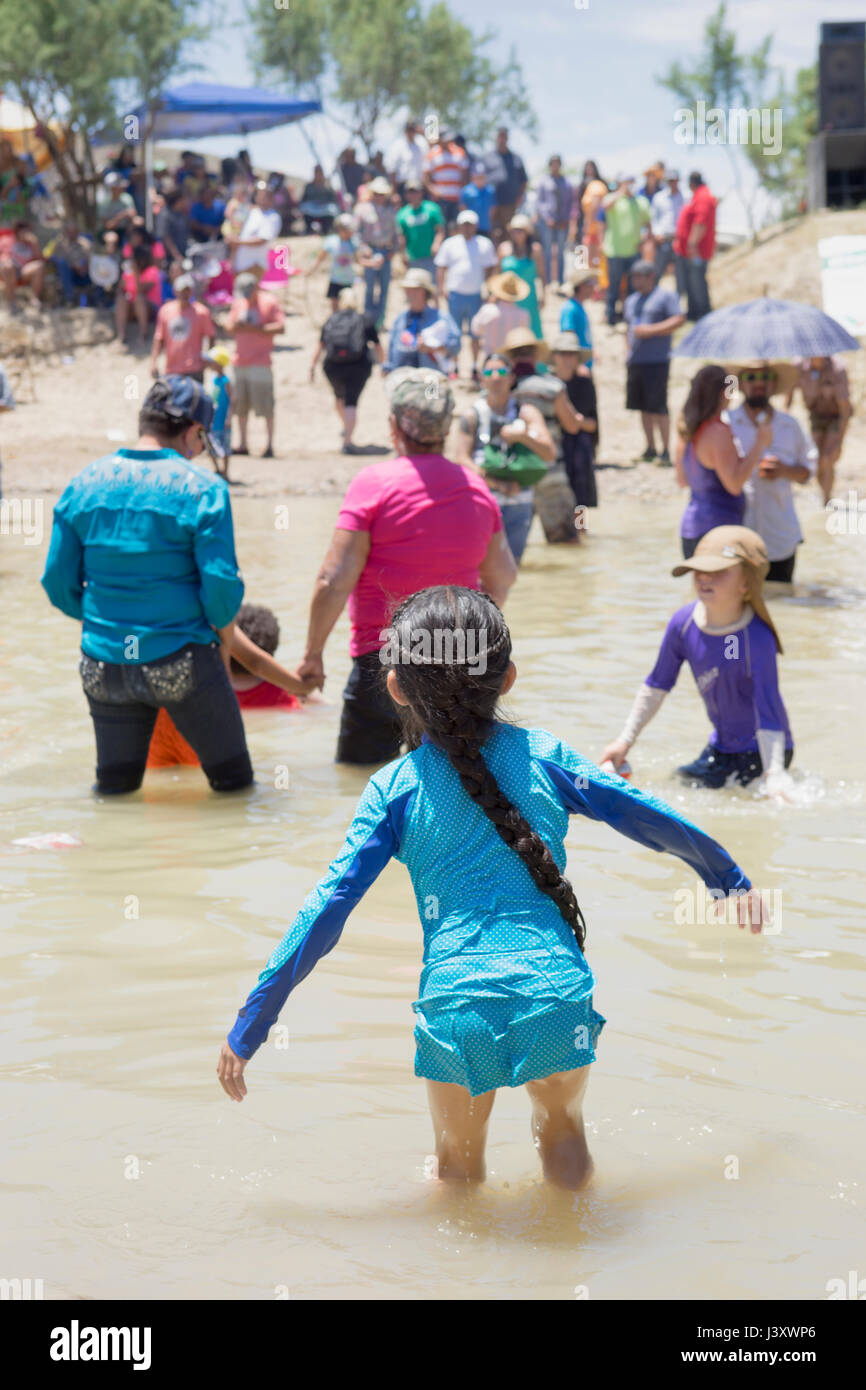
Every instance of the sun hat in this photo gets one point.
(380, 185)
(246, 284)
(467, 216)
(509, 287)
(518, 338)
(787, 374)
(112, 178)
(521, 222)
(183, 282)
(182, 399)
(418, 279)
(413, 186)
(421, 402)
(220, 355)
(580, 277)
(569, 342)
(671, 174)
(726, 546)
(344, 219)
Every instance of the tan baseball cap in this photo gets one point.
(380, 185)
(421, 402)
(726, 546)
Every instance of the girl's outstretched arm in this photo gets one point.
(372, 839)
(585, 789)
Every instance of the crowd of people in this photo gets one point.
(424, 545)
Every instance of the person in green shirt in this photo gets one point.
(625, 218)
(421, 227)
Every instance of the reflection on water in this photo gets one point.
(725, 1111)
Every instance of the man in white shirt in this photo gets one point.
(405, 157)
(791, 459)
(261, 228)
(665, 208)
(464, 262)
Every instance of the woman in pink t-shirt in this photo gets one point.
(405, 524)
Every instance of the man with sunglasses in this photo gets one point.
(790, 459)
(142, 555)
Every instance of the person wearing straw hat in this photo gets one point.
(376, 221)
(522, 254)
(554, 500)
(422, 335)
(790, 458)
(571, 365)
(730, 642)
(504, 310)
(574, 318)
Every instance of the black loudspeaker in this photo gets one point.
(842, 76)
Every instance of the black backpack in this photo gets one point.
(345, 337)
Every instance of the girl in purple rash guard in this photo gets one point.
(728, 639)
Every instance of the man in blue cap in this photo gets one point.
(142, 554)
(479, 196)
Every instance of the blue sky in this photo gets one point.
(590, 67)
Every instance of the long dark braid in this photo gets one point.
(454, 703)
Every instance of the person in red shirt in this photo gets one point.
(182, 329)
(694, 244)
(254, 321)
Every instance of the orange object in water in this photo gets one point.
(168, 748)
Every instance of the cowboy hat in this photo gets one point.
(509, 287)
(786, 374)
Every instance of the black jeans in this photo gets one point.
(193, 687)
(370, 728)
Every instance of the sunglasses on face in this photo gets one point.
(749, 377)
(495, 371)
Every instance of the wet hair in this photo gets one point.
(454, 703)
(261, 626)
(702, 401)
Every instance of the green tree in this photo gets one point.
(82, 68)
(725, 78)
(373, 60)
(785, 174)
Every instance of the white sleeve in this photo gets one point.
(771, 746)
(647, 702)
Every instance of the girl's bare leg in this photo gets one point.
(460, 1129)
(557, 1127)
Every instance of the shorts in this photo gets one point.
(253, 391)
(713, 768)
(826, 431)
(782, 571)
(463, 307)
(347, 379)
(370, 728)
(483, 1043)
(335, 289)
(193, 686)
(646, 387)
(449, 208)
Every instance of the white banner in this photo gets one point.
(843, 281)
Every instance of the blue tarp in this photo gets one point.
(209, 108)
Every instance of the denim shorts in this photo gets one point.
(463, 307)
(193, 686)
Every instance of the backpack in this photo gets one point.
(345, 337)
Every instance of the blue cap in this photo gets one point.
(181, 398)
(479, 168)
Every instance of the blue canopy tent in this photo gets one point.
(208, 108)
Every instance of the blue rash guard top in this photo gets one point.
(506, 993)
(143, 545)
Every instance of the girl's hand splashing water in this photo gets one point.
(230, 1070)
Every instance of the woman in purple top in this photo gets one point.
(708, 461)
(728, 639)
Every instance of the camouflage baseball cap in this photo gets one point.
(422, 403)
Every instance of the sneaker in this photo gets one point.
(648, 456)
(268, 454)
(351, 449)
(664, 460)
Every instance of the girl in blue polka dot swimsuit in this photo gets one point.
(478, 812)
